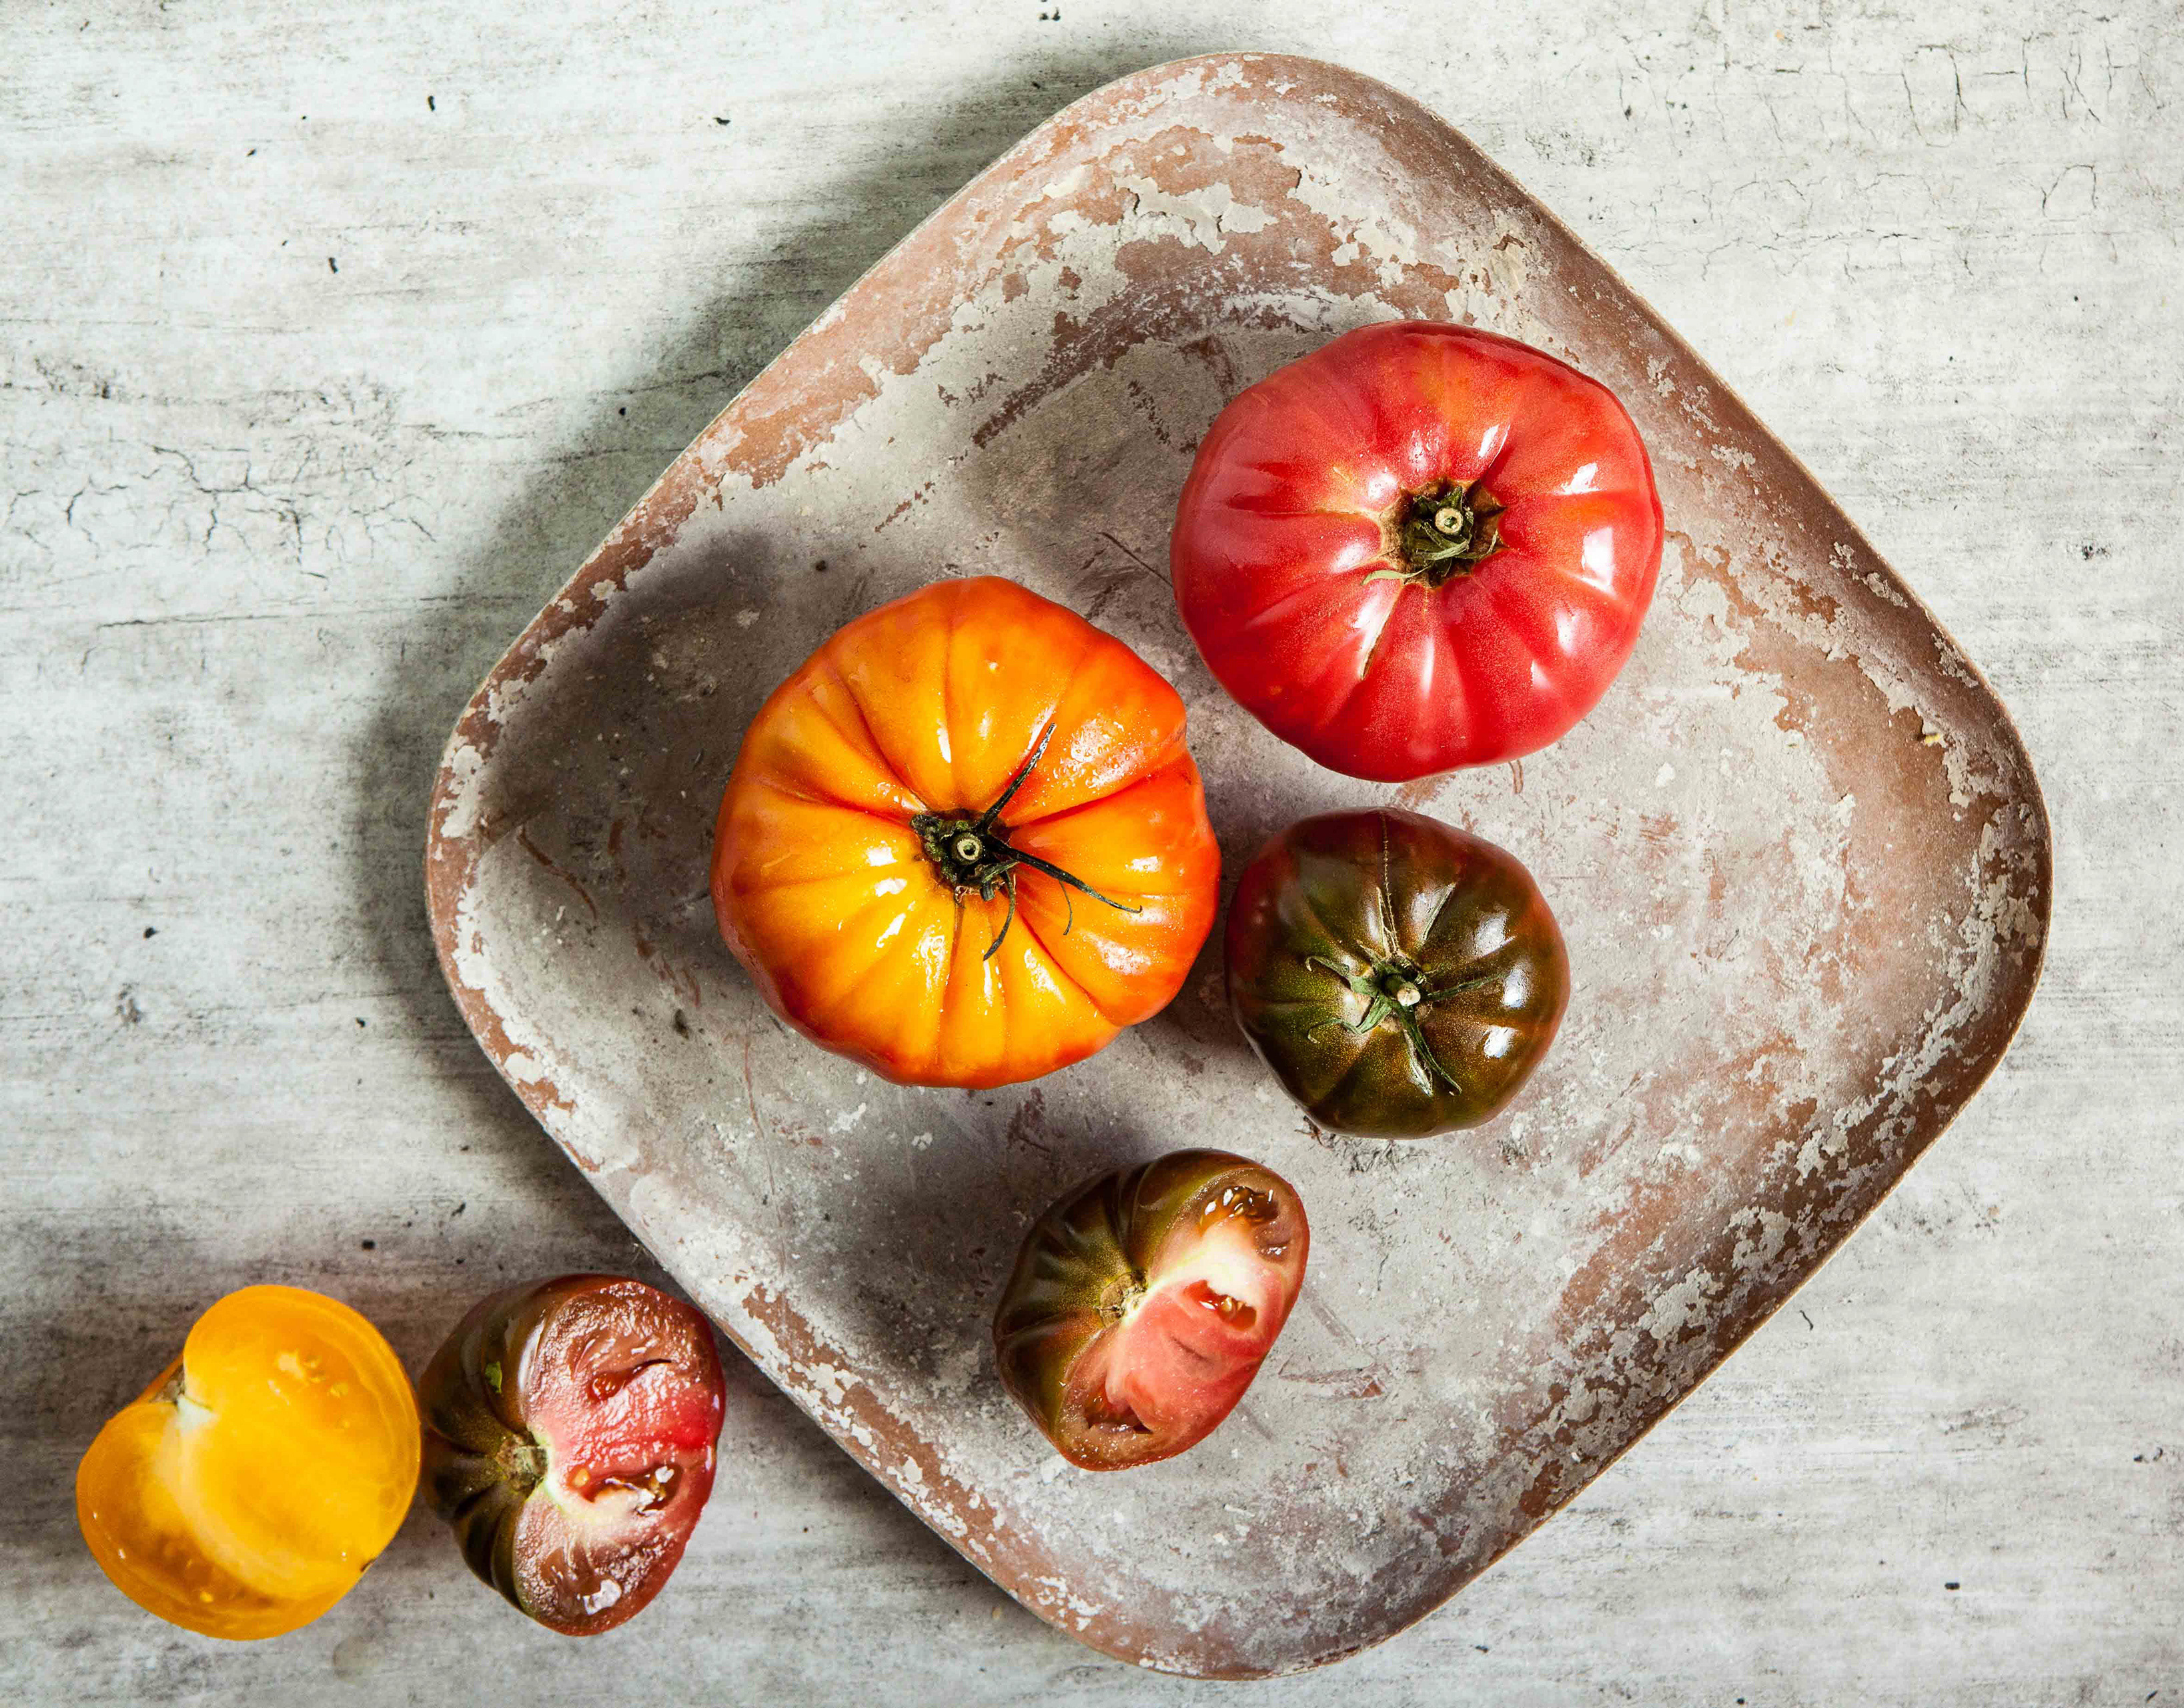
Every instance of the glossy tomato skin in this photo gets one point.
(571, 1429)
(1401, 977)
(1297, 575)
(1144, 1302)
(247, 1489)
(971, 707)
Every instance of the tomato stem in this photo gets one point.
(523, 1462)
(1443, 531)
(1394, 992)
(1124, 1294)
(974, 854)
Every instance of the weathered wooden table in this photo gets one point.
(334, 338)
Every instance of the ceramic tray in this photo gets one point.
(1797, 851)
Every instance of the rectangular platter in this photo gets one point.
(1798, 854)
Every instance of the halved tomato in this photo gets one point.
(1144, 1302)
(570, 1428)
(246, 1490)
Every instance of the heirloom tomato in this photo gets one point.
(569, 1431)
(1420, 547)
(1401, 977)
(964, 844)
(245, 1491)
(1144, 1302)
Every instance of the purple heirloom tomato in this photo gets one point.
(1144, 1302)
(1402, 978)
(569, 1431)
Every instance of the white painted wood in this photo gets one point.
(292, 441)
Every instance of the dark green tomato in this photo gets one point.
(570, 1430)
(1401, 977)
(1144, 1302)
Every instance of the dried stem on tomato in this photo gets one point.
(1443, 531)
(974, 854)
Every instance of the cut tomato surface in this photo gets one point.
(1144, 1303)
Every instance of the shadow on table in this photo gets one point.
(123, 1322)
(572, 501)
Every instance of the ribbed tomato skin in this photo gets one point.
(1287, 565)
(933, 705)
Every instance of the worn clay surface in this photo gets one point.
(1797, 853)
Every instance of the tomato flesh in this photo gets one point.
(1302, 562)
(1144, 1303)
(246, 1491)
(1179, 1360)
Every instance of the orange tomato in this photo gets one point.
(964, 844)
(244, 1492)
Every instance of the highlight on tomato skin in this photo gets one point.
(1144, 1302)
(571, 1433)
(245, 1491)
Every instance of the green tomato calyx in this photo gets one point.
(1396, 991)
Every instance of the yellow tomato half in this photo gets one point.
(244, 1492)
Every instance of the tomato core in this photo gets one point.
(1445, 531)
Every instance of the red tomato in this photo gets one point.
(1421, 546)
(1144, 1302)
